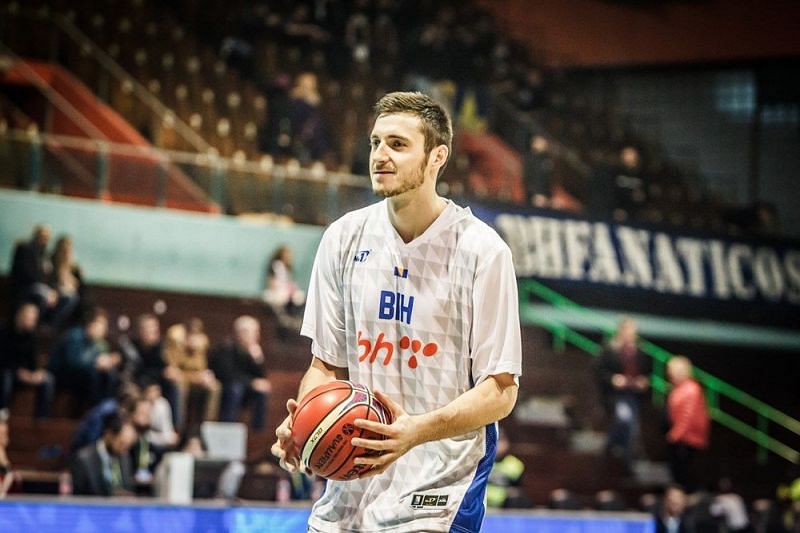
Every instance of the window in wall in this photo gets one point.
(781, 114)
(735, 94)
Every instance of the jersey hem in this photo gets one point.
(426, 525)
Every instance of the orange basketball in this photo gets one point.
(322, 428)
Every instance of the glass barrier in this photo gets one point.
(146, 176)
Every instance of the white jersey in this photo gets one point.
(423, 322)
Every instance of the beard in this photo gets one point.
(409, 183)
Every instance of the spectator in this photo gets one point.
(90, 427)
(788, 498)
(537, 165)
(730, 506)
(30, 269)
(144, 456)
(147, 353)
(688, 421)
(672, 516)
(19, 361)
(103, 468)
(66, 280)
(9, 480)
(306, 128)
(241, 368)
(628, 180)
(186, 347)
(83, 362)
(282, 294)
(161, 432)
(622, 371)
(503, 490)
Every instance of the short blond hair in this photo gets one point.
(680, 366)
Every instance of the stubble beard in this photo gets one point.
(414, 181)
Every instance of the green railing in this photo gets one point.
(715, 388)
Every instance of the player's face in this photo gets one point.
(397, 158)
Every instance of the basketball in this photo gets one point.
(322, 428)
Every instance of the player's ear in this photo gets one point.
(438, 156)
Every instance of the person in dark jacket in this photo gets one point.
(623, 375)
(83, 361)
(18, 361)
(103, 468)
(30, 268)
(672, 515)
(241, 368)
(146, 355)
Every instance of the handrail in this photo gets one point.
(709, 381)
(61, 103)
(263, 167)
(115, 70)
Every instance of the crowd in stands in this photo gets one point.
(139, 394)
(293, 82)
(143, 393)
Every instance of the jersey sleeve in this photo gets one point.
(495, 334)
(323, 320)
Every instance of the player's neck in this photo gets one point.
(413, 212)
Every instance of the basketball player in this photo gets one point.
(415, 298)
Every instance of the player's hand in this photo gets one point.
(285, 448)
(401, 436)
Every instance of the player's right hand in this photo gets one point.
(285, 448)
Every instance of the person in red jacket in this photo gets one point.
(688, 421)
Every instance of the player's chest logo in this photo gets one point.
(382, 350)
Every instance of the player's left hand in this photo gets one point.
(401, 436)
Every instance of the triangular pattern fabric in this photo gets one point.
(412, 306)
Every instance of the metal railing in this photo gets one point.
(142, 174)
(715, 388)
(68, 36)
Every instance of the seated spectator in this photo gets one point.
(282, 294)
(147, 358)
(788, 499)
(563, 499)
(66, 280)
(241, 368)
(83, 362)
(503, 490)
(103, 468)
(10, 482)
(609, 500)
(186, 347)
(30, 268)
(730, 506)
(144, 456)
(161, 433)
(672, 516)
(19, 364)
(90, 427)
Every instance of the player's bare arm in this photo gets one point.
(284, 448)
(488, 402)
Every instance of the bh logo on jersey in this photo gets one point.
(369, 350)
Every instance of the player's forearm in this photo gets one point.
(488, 402)
(317, 374)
